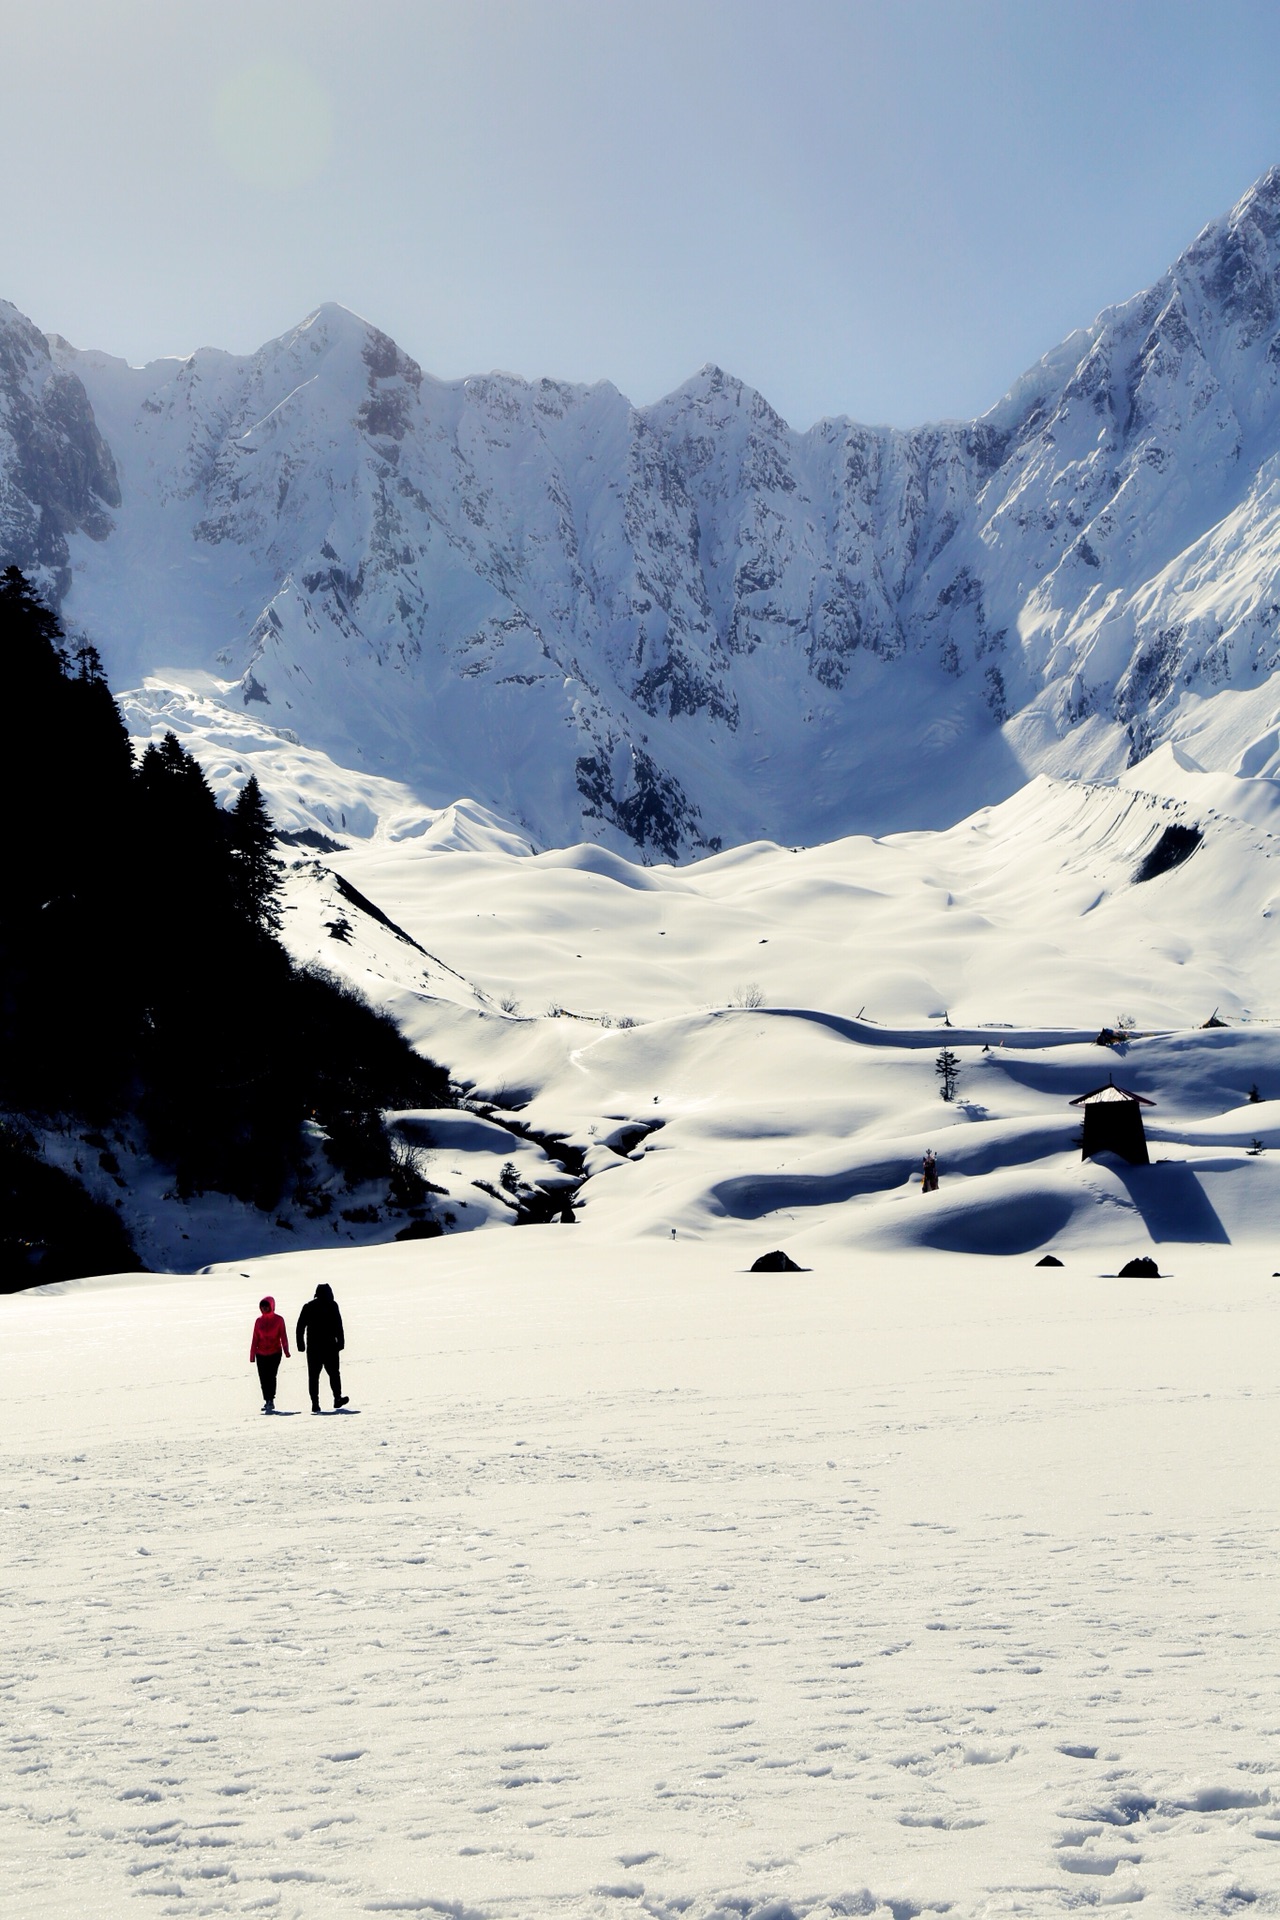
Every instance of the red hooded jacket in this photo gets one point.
(270, 1335)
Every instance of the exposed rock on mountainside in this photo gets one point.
(677, 625)
(57, 476)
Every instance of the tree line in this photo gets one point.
(140, 970)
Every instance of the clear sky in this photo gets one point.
(886, 208)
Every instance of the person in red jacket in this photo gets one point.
(270, 1340)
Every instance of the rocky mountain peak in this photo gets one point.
(57, 475)
(675, 624)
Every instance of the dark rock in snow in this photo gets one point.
(1050, 1260)
(309, 837)
(421, 1230)
(1143, 1268)
(1176, 844)
(776, 1262)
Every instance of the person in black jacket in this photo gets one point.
(321, 1338)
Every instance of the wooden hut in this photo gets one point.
(1113, 1124)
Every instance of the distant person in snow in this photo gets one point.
(270, 1340)
(321, 1338)
(929, 1184)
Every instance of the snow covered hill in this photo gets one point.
(684, 625)
(742, 1049)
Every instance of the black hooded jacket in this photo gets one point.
(321, 1320)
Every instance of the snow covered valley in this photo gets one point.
(922, 1580)
(746, 1046)
(921, 1576)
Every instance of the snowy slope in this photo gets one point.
(743, 1048)
(669, 626)
(645, 1589)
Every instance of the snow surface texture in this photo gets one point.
(645, 1586)
(682, 625)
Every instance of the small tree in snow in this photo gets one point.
(947, 1067)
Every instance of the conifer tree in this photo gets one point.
(140, 973)
(184, 843)
(257, 873)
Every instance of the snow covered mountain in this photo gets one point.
(683, 625)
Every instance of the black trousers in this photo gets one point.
(323, 1359)
(268, 1368)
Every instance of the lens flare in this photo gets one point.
(273, 124)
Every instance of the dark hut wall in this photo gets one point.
(1115, 1126)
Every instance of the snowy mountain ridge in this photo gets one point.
(676, 626)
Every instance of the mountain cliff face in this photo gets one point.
(672, 626)
(57, 476)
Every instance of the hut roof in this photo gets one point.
(1111, 1092)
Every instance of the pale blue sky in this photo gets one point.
(883, 207)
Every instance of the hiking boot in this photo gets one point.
(341, 1399)
(268, 1406)
(315, 1406)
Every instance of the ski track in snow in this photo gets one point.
(643, 1586)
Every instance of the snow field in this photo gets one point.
(807, 1115)
(925, 1580)
(641, 1585)
(616, 1005)
(1024, 913)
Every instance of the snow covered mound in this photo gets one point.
(684, 625)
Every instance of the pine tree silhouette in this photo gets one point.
(257, 873)
(140, 973)
(947, 1067)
